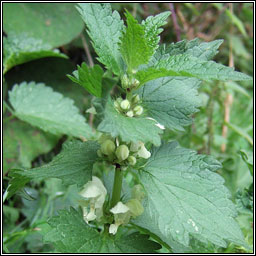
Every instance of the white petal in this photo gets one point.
(144, 153)
(99, 184)
(90, 191)
(93, 189)
(90, 216)
(119, 208)
(113, 229)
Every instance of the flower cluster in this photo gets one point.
(124, 212)
(113, 150)
(130, 108)
(94, 195)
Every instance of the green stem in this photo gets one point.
(117, 187)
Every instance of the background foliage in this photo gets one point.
(30, 54)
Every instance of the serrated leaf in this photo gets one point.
(152, 28)
(22, 143)
(204, 50)
(104, 28)
(55, 24)
(171, 100)
(135, 46)
(50, 71)
(21, 48)
(185, 197)
(73, 166)
(129, 128)
(244, 200)
(40, 106)
(89, 78)
(189, 66)
(70, 234)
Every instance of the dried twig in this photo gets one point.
(87, 51)
(175, 23)
(229, 97)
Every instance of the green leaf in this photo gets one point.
(21, 48)
(186, 198)
(104, 28)
(204, 50)
(189, 66)
(152, 28)
(73, 166)
(50, 111)
(248, 159)
(171, 100)
(70, 234)
(240, 132)
(54, 23)
(244, 200)
(129, 128)
(89, 78)
(135, 46)
(50, 71)
(23, 143)
(235, 20)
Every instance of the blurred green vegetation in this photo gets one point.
(225, 105)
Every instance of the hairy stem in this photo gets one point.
(117, 187)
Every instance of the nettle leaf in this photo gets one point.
(89, 78)
(189, 66)
(204, 50)
(22, 143)
(129, 128)
(70, 234)
(55, 24)
(135, 46)
(73, 166)
(50, 71)
(40, 106)
(20, 48)
(104, 28)
(185, 197)
(171, 100)
(152, 28)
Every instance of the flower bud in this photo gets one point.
(135, 82)
(122, 152)
(116, 104)
(99, 153)
(125, 104)
(135, 98)
(135, 207)
(125, 81)
(138, 110)
(131, 160)
(129, 113)
(108, 147)
(138, 192)
(135, 146)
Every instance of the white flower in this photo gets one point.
(95, 192)
(119, 208)
(140, 148)
(122, 215)
(143, 152)
(113, 228)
